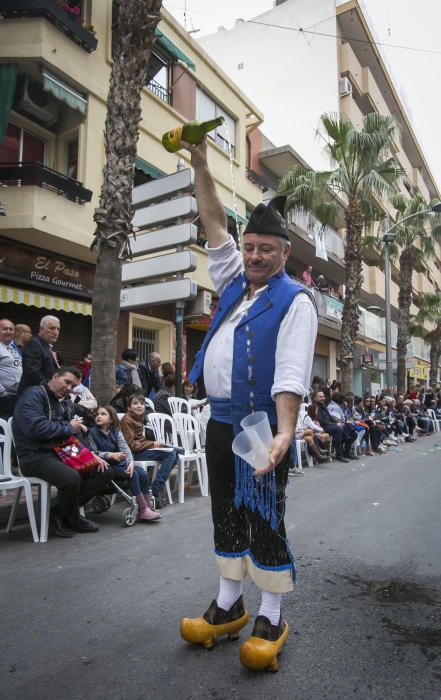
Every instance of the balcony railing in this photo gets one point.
(259, 180)
(22, 174)
(312, 227)
(11, 9)
(328, 307)
(158, 90)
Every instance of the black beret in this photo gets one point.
(269, 218)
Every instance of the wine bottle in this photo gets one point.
(192, 132)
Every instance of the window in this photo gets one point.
(207, 108)
(22, 146)
(158, 77)
(72, 159)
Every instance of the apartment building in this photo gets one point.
(335, 67)
(55, 61)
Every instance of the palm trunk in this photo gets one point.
(404, 302)
(435, 354)
(353, 282)
(132, 40)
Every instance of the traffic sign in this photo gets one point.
(154, 241)
(162, 265)
(159, 293)
(155, 191)
(164, 212)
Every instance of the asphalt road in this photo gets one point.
(98, 616)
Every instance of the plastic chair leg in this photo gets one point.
(13, 512)
(299, 454)
(169, 496)
(31, 513)
(45, 498)
(181, 480)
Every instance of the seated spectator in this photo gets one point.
(132, 426)
(127, 372)
(107, 440)
(361, 415)
(39, 358)
(167, 370)
(162, 396)
(38, 422)
(22, 333)
(307, 277)
(119, 400)
(341, 432)
(82, 395)
(10, 369)
(149, 374)
(85, 365)
(190, 392)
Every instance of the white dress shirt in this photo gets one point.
(295, 340)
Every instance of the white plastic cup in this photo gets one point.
(259, 422)
(248, 446)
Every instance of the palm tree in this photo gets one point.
(362, 171)
(429, 312)
(132, 39)
(415, 243)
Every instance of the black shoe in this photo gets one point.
(265, 630)
(84, 525)
(160, 500)
(59, 528)
(341, 459)
(409, 439)
(354, 457)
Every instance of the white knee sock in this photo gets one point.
(270, 606)
(229, 592)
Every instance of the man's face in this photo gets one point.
(400, 398)
(309, 269)
(320, 397)
(62, 385)
(263, 257)
(50, 331)
(24, 335)
(155, 362)
(6, 331)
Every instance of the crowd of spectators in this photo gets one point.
(320, 283)
(381, 421)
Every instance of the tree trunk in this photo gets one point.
(435, 354)
(133, 37)
(353, 282)
(404, 303)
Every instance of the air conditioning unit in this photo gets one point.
(34, 100)
(345, 87)
(201, 306)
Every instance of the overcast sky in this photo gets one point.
(404, 23)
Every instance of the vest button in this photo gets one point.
(251, 381)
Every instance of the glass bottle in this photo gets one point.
(192, 132)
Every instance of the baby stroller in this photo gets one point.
(102, 502)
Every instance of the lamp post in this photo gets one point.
(388, 237)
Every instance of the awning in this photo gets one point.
(63, 92)
(173, 50)
(230, 212)
(148, 169)
(8, 80)
(44, 301)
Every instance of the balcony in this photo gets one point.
(159, 90)
(22, 174)
(259, 180)
(308, 223)
(14, 9)
(329, 308)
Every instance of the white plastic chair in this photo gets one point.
(356, 445)
(16, 482)
(150, 404)
(161, 424)
(188, 430)
(178, 405)
(44, 497)
(435, 421)
(145, 464)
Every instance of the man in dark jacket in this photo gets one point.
(39, 358)
(341, 434)
(38, 422)
(149, 373)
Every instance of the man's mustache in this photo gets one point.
(256, 265)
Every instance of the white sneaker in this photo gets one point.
(380, 448)
(389, 442)
(295, 471)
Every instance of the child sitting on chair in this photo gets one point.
(132, 426)
(107, 441)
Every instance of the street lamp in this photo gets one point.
(388, 237)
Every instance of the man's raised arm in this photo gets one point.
(210, 207)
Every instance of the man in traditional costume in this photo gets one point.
(257, 356)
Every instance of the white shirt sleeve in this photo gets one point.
(224, 264)
(295, 348)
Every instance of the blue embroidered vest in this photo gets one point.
(255, 341)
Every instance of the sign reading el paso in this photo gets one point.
(41, 268)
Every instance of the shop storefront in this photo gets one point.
(35, 282)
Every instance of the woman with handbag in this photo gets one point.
(107, 440)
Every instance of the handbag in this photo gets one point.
(75, 455)
(72, 452)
